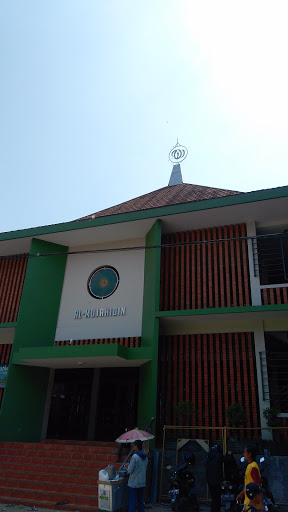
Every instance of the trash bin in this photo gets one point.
(113, 495)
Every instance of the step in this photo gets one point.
(10, 495)
(13, 452)
(56, 470)
(50, 448)
(51, 462)
(80, 443)
(60, 488)
(60, 478)
(43, 474)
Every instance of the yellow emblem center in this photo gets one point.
(103, 282)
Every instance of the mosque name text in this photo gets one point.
(99, 312)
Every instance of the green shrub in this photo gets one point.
(236, 415)
(271, 416)
(184, 409)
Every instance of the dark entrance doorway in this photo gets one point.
(117, 402)
(70, 404)
(72, 413)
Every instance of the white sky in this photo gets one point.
(95, 93)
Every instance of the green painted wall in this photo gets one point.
(147, 400)
(24, 399)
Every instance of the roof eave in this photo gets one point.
(205, 204)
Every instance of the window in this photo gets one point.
(272, 252)
(277, 368)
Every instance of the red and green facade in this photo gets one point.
(202, 328)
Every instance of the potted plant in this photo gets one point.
(236, 417)
(271, 416)
(184, 412)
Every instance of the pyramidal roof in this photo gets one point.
(166, 196)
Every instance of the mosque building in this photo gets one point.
(179, 295)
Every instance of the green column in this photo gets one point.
(26, 388)
(147, 399)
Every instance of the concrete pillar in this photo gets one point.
(254, 280)
(93, 404)
(48, 404)
(263, 403)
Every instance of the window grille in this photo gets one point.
(270, 254)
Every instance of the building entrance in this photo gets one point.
(94, 404)
(117, 402)
(70, 404)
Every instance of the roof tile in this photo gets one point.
(166, 196)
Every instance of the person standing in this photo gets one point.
(214, 475)
(137, 477)
(252, 475)
(254, 493)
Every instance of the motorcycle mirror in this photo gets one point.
(242, 459)
(262, 459)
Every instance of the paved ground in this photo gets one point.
(157, 507)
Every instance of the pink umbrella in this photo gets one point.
(133, 435)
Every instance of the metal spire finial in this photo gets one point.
(177, 154)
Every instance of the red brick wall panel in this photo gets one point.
(199, 381)
(193, 272)
(167, 277)
(239, 299)
(181, 396)
(210, 271)
(213, 371)
(232, 266)
(206, 384)
(175, 376)
(12, 274)
(172, 276)
(230, 341)
(193, 373)
(212, 380)
(198, 267)
(245, 378)
(204, 270)
(221, 418)
(204, 274)
(129, 342)
(221, 267)
(182, 271)
(274, 295)
(177, 273)
(187, 275)
(278, 296)
(271, 295)
(216, 270)
(264, 294)
(247, 298)
(227, 268)
(225, 372)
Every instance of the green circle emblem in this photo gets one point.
(103, 282)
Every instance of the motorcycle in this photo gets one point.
(230, 486)
(268, 498)
(229, 492)
(182, 486)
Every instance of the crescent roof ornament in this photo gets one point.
(178, 153)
